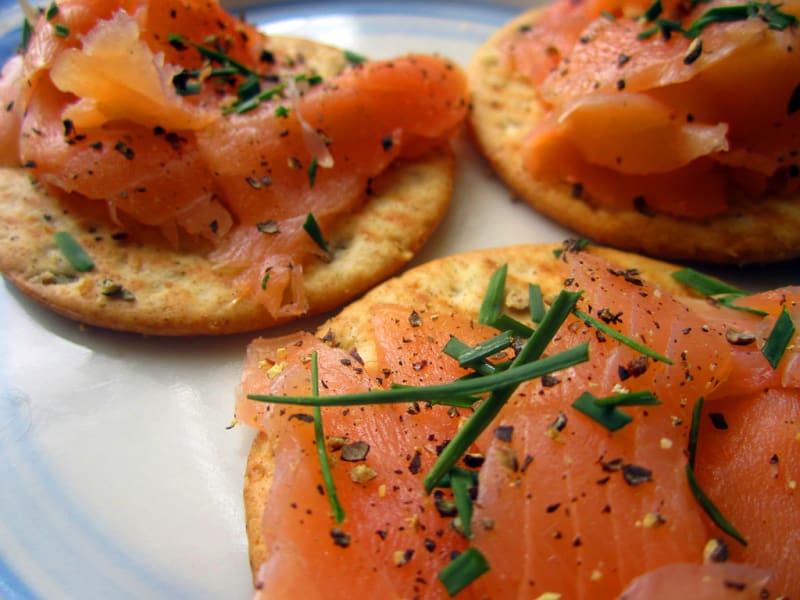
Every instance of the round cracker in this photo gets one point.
(506, 108)
(178, 292)
(452, 284)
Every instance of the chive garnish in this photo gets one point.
(210, 53)
(605, 411)
(265, 280)
(312, 172)
(705, 502)
(704, 284)
(711, 510)
(611, 332)
(354, 57)
(73, 252)
(653, 11)
(311, 227)
(463, 570)
(27, 32)
(460, 481)
(60, 30)
(536, 303)
(455, 348)
(508, 323)
(492, 305)
(249, 88)
(769, 12)
(527, 360)
(484, 350)
(694, 430)
(444, 391)
(779, 338)
(713, 288)
(327, 477)
(51, 12)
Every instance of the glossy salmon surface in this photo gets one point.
(563, 506)
(677, 108)
(178, 116)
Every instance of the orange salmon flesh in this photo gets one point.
(149, 108)
(563, 506)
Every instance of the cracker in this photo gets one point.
(505, 108)
(178, 292)
(454, 283)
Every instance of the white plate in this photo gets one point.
(118, 476)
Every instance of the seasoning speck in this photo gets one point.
(340, 538)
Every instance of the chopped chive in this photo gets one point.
(694, 430)
(611, 332)
(704, 284)
(711, 510)
(526, 360)
(282, 112)
(536, 302)
(461, 480)
(265, 280)
(312, 173)
(465, 401)
(460, 387)
(653, 11)
(609, 417)
(27, 32)
(249, 88)
(641, 398)
(508, 323)
(455, 348)
(705, 502)
(561, 308)
(647, 33)
(573, 245)
(713, 288)
(354, 57)
(327, 477)
(51, 12)
(779, 338)
(61, 30)
(769, 12)
(210, 53)
(74, 252)
(492, 305)
(463, 570)
(485, 349)
(311, 227)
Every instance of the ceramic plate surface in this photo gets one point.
(118, 475)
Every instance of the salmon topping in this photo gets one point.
(180, 117)
(562, 505)
(646, 109)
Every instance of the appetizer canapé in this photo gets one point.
(169, 169)
(579, 426)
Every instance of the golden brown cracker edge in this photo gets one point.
(171, 292)
(452, 284)
(505, 109)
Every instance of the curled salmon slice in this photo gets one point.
(101, 114)
(664, 98)
(702, 582)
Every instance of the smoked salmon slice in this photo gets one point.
(178, 116)
(562, 506)
(639, 94)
